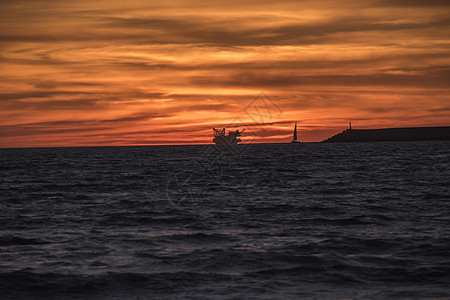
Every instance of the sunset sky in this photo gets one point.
(81, 73)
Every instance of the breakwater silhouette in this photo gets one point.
(391, 135)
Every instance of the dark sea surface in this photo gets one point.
(267, 221)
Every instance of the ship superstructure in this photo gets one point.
(221, 138)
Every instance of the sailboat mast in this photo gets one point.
(295, 132)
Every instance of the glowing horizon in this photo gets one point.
(145, 73)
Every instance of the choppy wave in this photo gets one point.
(277, 221)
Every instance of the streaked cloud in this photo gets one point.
(146, 72)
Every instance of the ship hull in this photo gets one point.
(224, 141)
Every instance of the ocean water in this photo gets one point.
(267, 221)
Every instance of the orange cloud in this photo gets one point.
(144, 72)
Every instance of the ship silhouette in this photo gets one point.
(221, 138)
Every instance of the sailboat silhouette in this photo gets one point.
(295, 137)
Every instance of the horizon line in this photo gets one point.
(149, 145)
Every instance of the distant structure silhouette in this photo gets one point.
(221, 138)
(391, 135)
(295, 137)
